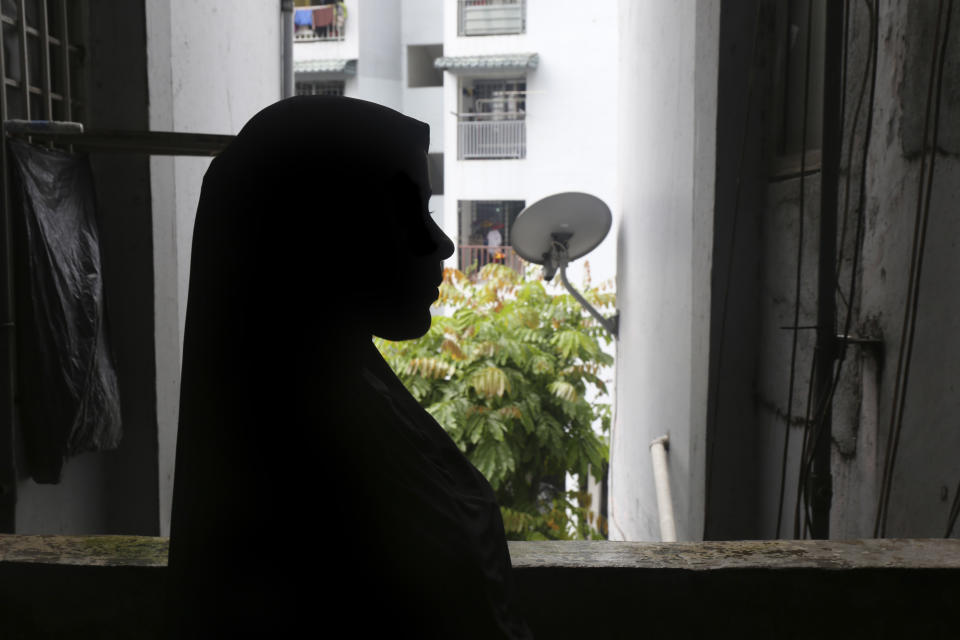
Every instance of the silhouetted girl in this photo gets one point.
(313, 495)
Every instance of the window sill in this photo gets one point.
(66, 586)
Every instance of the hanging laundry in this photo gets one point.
(68, 393)
(303, 18)
(323, 16)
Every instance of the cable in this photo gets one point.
(799, 275)
(916, 267)
(821, 411)
(804, 443)
(954, 512)
(729, 266)
(850, 148)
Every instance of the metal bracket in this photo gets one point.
(556, 260)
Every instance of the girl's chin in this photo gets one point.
(406, 324)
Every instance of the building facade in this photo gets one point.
(520, 96)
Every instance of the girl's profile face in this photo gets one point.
(407, 259)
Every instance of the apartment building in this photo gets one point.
(520, 96)
(530, 110)
(377, 50)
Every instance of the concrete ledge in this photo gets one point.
(89, 551)
(740, 554)
(112, 587)
(143, 551)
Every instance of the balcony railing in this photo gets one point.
(491, 135)
(492, 17)
(476, 256)
(320, 22)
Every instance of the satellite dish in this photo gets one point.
(560, 228)
(581, 219)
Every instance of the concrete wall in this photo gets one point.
(753, 383)
(926, 472)
(740, 196)
(211, 67)
(667, 127)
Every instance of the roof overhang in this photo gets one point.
(466, 65)
(330, 67)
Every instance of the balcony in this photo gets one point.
(479, 255)
(320, 22)
(486, 136)
(492, 17)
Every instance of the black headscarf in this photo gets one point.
(310, 488)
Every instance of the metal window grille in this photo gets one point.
(42, 52)
(320, 88)
(491, 17)
(492, 119)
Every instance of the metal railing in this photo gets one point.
(479, 136)
(492, 17)
(327, 22)
(479, 255)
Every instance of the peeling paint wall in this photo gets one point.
(926, 472)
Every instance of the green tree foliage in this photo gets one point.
(506, 372)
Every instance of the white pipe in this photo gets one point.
(658, 451)
(286, 61)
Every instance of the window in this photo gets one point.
(42, 60)
(484, 228)
(420, 69)
(320, 88)
(492, 17)
(491, 122)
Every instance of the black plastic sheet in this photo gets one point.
(69, 399)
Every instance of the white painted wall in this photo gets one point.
(379, 69)
(667, 124)
(422, 21)
(211, 66)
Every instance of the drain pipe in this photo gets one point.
(661, 479)
(286, 67)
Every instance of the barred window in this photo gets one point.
(42, 53)
(320, 88)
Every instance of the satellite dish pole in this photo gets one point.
(557, 261)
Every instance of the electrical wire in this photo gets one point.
(851, 146)
(803, 447)
(916, 266)
(798, 279)
(954, 512)
(824, 407)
